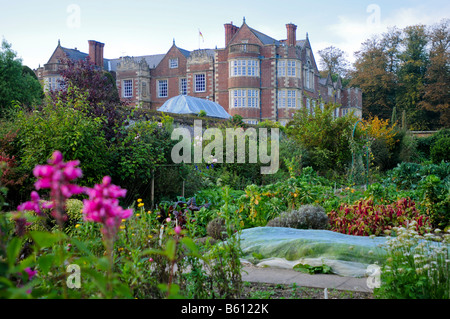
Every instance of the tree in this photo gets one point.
(411, 75)
(16, 82)
(333, 61)
(103, 101)
(436, 96)
(374, 73)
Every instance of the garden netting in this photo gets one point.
(281, 247)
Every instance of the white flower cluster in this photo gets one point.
(426, 255)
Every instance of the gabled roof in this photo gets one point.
(186, 53)
(185, 104)
(74, 54)
(265, 39)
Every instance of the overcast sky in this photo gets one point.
(138, 27)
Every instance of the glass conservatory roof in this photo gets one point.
(184, 104)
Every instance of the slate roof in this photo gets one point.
(186, 53)
(265, 39)
(74, 54)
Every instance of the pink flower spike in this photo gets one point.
(71, 172)
(56, 158)
(106, 180)
(30, 273)
(178, 230)
(42, 171)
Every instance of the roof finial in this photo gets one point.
(306, 35)
(244, 20)
(59, 42)
(173, 41)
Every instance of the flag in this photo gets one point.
(201, 35)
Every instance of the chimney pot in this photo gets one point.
(291, 34)
(96, 52)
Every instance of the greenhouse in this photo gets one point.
(184, 104)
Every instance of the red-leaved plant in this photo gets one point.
(363, 218)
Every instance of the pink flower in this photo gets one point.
(178, 229)
(32, 205)
(31, 273)
(103, 206)
(57, 177)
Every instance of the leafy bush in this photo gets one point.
(66, 129)
(306, 217)
(140, 155)
(217, 228)
(408, 175)
(440, 151)
(327, 139)
(435, 195)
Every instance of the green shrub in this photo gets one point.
(440, 151)
(217, 228)
(141, 155)
(306, 217)
(381, 154)
(68, 130)
(202, 113)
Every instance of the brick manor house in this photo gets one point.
(254, 75)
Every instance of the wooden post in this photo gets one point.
(182, 194)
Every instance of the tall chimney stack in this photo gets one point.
(291, 34)
(230, 31)
(96, 52)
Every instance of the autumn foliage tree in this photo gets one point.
(376, 73)
(436, 96)
(409, 70)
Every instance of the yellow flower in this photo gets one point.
(150, 236)
(77, 225)
(139, 200)
(140, 204)
(137, 215)
(124, 220)
(122, 227)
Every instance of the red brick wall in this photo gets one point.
(172, 75)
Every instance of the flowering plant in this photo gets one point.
(56, 176)
(416, 266)
(103, 207)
